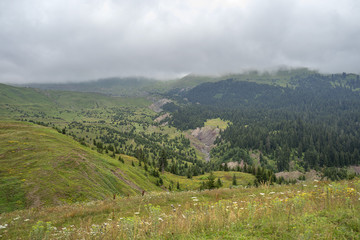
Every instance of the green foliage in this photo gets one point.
(39, 166)
(219, 184)
(210, 182)
(315, 119)
(41, 231)
(335, 174)
(234, 182)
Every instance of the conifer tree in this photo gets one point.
(234, 182)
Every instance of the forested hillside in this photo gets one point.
(310, 123)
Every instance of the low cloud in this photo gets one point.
(60, 41)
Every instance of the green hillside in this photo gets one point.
(310, 210)
(40, 167)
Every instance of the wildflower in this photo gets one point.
(271, 192)
(26, 220)
(304, 185)
(3, 226)
(315, 186)
(185, 217)
(136, 213)
(17, 218)
(160, 219)
(262, 194)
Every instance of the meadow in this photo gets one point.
(310, 210)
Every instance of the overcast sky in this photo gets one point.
(77, 40)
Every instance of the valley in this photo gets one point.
(79, 158)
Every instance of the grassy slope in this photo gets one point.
(39, 166)
(242, 179)
(42, 167)
(311, 210)
(15, 100)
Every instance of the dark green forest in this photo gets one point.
(313, 121)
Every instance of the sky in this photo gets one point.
(79, 40)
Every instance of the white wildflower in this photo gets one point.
(262, 194)
(3, 226)
(161, 219)
(26, 220)
(271, 192)
(315, 186)
(136, 213)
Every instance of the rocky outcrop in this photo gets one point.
(156, 106)
(203, 139)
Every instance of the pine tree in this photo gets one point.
(163, 161)
(219, 183)
(211, 181)
(234, 182)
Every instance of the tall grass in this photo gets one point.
(318, 210)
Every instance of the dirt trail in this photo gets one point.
(121, 175)
(203, 139)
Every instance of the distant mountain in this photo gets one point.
(140, 86)
(111, 86)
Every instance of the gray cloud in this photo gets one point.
(66, 40)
